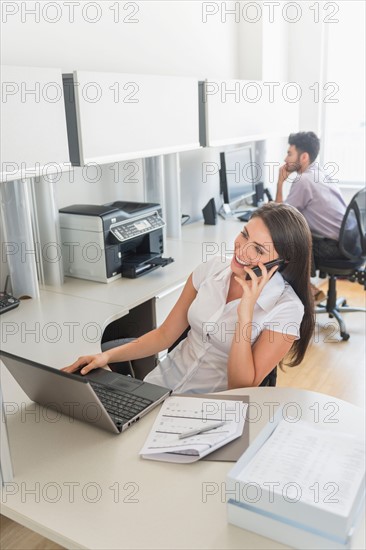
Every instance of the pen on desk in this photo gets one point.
(201, 430)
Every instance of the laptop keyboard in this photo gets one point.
(120, 405)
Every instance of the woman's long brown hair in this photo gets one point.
(292, 240)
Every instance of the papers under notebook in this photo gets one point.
(180, 415)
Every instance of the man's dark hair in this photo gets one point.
(306, 142)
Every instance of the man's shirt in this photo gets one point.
(319, 200)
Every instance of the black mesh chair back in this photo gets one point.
(352, 245)
(352, 236)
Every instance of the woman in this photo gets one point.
(242, 324)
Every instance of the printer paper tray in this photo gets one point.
(140, 264)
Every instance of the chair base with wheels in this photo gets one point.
(336, 306)
(351, 264)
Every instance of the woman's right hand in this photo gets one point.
(88, 362)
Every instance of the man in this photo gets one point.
(314, 195)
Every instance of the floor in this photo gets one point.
(331, 366)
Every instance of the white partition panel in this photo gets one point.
(33, 134)
(126, 116)
(239, 111)
(19, 249)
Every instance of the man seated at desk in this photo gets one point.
(316, 196)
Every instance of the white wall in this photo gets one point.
(173, 38)
(286, 42)
(264, 55)
(306, 51)
(101, 184)
(169, 38)
(199, 180)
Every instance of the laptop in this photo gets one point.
(103, 398)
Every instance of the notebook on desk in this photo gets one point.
(233, 450)
(103, 398)
(190, 428)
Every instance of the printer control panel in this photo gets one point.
(129, 229)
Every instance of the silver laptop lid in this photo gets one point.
(66, 393)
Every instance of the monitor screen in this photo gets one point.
(236, 175)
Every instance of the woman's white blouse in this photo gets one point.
(199, 363)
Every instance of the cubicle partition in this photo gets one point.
(53, 122)
(34, 147)
(33, 123)
(240, 111)
(127, 116)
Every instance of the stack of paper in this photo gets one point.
(188, 428)
(300, 484)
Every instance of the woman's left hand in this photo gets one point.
(251, 289)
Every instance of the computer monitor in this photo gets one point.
(236, 176)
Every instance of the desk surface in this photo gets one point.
(68, 320)
(129, 293)
(85, 488)
(199, 243)
(55, 328)
(90, 489)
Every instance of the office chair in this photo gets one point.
(122, 367)
(269, 380)
(352, 245)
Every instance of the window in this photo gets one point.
(344, 95)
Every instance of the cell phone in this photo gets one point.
(257, 270)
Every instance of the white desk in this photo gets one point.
(199, 243)
(222, 234)
(105, 496)
(132, 292)
(55, 328)
(138, 503)
(63, 318)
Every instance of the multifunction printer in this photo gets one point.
(101, 243)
